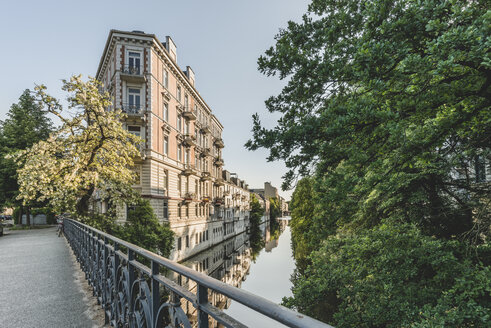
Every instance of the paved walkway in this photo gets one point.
(40, 285)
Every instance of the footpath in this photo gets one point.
(41, 284)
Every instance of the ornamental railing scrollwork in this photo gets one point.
(132, 286)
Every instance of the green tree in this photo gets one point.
(90, 151)
(142, 228)
(387, 108)
(387, 101)
(388, 276)
(26, 124)
(274, 208)
(305, 239)
(256, 212)
(255, 215)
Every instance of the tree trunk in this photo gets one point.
(28, 216)
(83, 204)
(21, 212)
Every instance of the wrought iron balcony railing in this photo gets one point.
(132, 109)
(132, 70)
(132, 73)
(131, 288)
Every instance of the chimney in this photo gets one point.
(171, 48)
(190, 74)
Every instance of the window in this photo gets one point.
(186, 102)
(187, 128)
(187, 210)
(179, 153)
(187, 241)
(165, 79)
(179, 123)
(178, 94)
(134, 99)
(179, 184)
(179, 210)
(166, 209)
(135, 130)
(179, 243)
(134, 62)
(165, 112)
(196, 239)
(166, 145)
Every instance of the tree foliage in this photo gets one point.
(386, 108)
(255, 236)
(274, 208)
(90, 151)
(386, 100)
(25, 125)
(393, 276)
(142, 228)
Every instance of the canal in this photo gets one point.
(261, 264)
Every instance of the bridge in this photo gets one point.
(138, 288)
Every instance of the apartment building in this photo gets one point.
(181, 165)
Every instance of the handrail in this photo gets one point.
(122, 286)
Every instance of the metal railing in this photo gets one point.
(128, 283)
(129, 108)
(132, 70)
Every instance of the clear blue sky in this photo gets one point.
(46, 41)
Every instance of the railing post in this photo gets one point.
(202, 295)
(131, 278)
(155, 293)
(104, 295)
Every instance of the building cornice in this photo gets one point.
(164, 54)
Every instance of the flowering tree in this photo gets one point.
(90, 151)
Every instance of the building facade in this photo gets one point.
(180, 169)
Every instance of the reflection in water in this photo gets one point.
(231, 262)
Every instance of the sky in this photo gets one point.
(46, 41)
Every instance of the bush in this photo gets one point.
(143, 229)
(391, 276)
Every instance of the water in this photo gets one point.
(263, 270)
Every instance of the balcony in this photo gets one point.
(205, 199)
(219, 161)
(219, 182)
(219, 143)
(188, 197)
(188, 140)
(206, 176)
(206, 128)
(132, 109)
(188, 113)
(189, 169)
(219, 201)
(132, 73)
(226, 192)
(206, 152)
